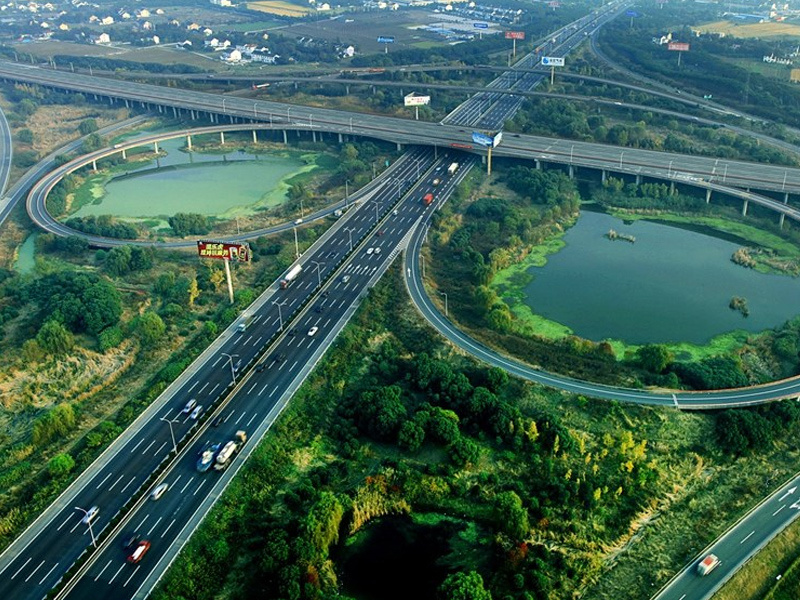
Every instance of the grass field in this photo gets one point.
(759, 30)
(279, 7)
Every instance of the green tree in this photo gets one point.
(323, 521)
(92, 142)
(654, 357)
(87, 126)
(60, 465)
(55, 339)
(464, 586)
(411, 436)
(25, 136)
(150, 328)
(510, 516)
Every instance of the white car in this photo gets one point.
(313, 331)
(377, 250)
(370, 250)
(189, 406)
(90, 515)
(196, 412)
(159, 491)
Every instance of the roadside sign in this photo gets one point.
(631, 13)
(679, 46)
(480, 25)
(224, 250)
(413, 100)
(515, 35)
(482, 139)
(386, 39)
(552, 61)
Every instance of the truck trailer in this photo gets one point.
(291, 276)
(452, 168)
(229, 450)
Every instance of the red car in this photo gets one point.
(139, 552)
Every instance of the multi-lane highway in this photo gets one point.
(6, 153)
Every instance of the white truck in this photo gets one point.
(452, 168)
(708, 564)
(229, 450)
(244, 323)
(291, 276)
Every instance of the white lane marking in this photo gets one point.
(34, 571)
(252, 387)
(167, 529)
(160, 448)
(299, 345)
(263, 388)
(110, 581)
(137, 445)
(22, 567)
(342, 303)
(143, 521)
(194, 385)
(102, 482)
(258, 341)
(103, 570)
(74, 527)
(48, 573)
(251, 420)
(149, 533)
(116, 482)
(188, 483)
(64, 523)
(211, 393)
(327, 323)
(682, 597)
(219, 358)
(779, 510)
(241, 417)
(747, 537)
(272, 393)
(202, 483)
(294, 365)
(200, 391)
(148, 447)
(174, 483)
(127, 581)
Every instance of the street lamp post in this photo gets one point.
(280, 316)
(351, 124)
(422, 264)
(171, 432)
(669, 170)
(621, 154)
(375, 202)
(346, 193)
(725, 174)
(296, 246)
(230, 362)
(446, 313)
(91, 532)
(319, 274)
(288, 116)
(349, 231)
(571, 150)
(255, 110)
(223, 104)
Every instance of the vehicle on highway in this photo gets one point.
(427, 199)
(245, 323)
(298, 221)
(313, 331)
(196, 412)
(207, 455)
(346, 278)
(228, 451)
(237, 365)
(708, 564)
(129, 541)
(377, 250)
(141, 549)
(159, 491)
(189, 406)
(370, 250)
(291, 276)
(260, 367)
(90, 515)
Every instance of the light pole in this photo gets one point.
(296, 246)
(319, 274)
(669, 170)
(725, 174)
(310, 120)
(571, 150)
(280, 316)
(255, 110)
(422, 264)
(351, 124)
(349, 231)
(91, 533)
(375, 202)
(301, 207)
(171, 432)
(223, 104)
(417, 161)
(621, 154)
(446, 313)
(230, 362)
(398, 182)
(783, 187)
(288, 116)
(346, 193)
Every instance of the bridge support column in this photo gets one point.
(285, 137)
(781, 220)
(127, 105)
(744, 208)
(571, 172)
(603, 175)
(124, 154)
(347, 89)
(95, 97)
(671, 188)
(313, 136)
(341, 139)
(189, 142)
(399, 147)
(155, 147)
(638, 179)
(175, 112)
(538, 164)
(786, 198)
(708, 195)
(222, 138)
(255, 137)
(94, 165)
(191, 112)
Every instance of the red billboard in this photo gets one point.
(679, 46)
(515, 35)
(239, 251)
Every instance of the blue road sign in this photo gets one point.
(482, 139)
(481, 25)
(386, 39)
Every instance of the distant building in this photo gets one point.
(795, 76)
(107, 21)
(221, 2)
(101, 39)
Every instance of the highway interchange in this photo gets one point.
(260, 394)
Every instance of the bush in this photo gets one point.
(60, 465)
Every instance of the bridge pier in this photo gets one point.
(341, 139)
(255, 137)
(124, 154)
(155, 147)
(94, 165)
(127, 104)
(175, 112)
(285, 138)
(347, 89)
(313, 136)
(603, 175)
(160, 108)
(189, 142)
(399, 147)
(638, 179)
(95, 97)
(671, 188)
(194, 117)
(744, 208)
(222, 138)
(538, 164)
(708, 195)
(781, 220)
(571, 172)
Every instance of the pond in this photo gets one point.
(26, 255)
(670, 285)
(208, 184)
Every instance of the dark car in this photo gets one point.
(129, 541)
(318, 309)
(260, 367)
(293, 331)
